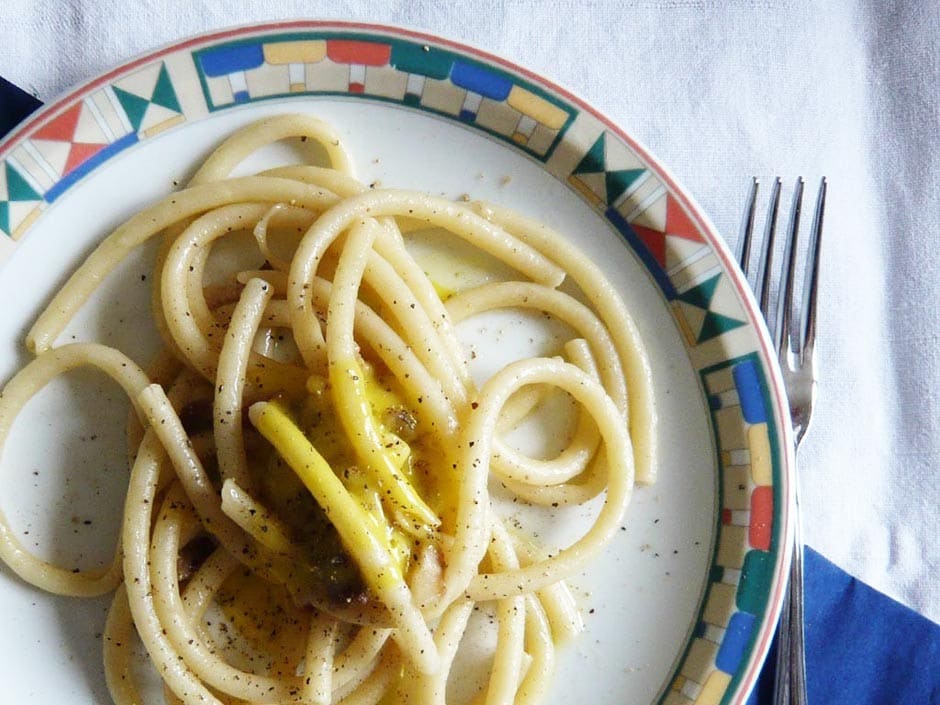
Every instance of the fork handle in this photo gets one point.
(790, 680)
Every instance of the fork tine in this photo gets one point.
(765, 263)
(788, 342)
(747, 227)
(811, 278)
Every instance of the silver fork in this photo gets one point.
(794, 335)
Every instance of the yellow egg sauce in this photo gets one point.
(398, 490)
(262, 628)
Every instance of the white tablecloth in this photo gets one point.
(719, 92)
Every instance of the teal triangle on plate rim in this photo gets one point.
(716, 324)
(595, 160)
(701, 295)
(618, 182)
(163, 93)
(17, 187)
(134, 106)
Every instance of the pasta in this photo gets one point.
(312, 514)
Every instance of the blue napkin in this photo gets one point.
(15, 105)
(863, 648)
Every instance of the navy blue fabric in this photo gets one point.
(863, 648)
(15, 105)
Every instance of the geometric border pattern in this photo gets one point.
(742, 568)
(614, 178)
(187, 82)
(44, 164)
(422, 76)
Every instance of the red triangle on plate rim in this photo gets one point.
(62, 127)
(678, 223)
(654, 240)
(79, 153)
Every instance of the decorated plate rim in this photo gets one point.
(548, 119)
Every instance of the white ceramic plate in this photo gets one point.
(681, 608)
